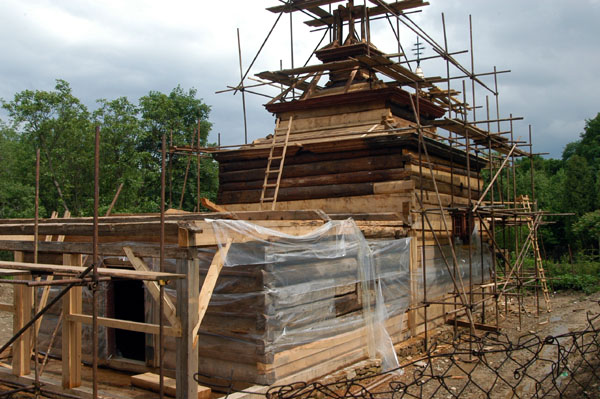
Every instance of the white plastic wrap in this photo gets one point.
(439, 281)
(313, 287)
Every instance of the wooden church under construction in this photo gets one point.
(364, 219)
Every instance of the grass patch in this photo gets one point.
(583, 276)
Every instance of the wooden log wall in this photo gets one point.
(311, 176)
(248, 314)
(270, 323)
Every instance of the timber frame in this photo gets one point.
(444, 151)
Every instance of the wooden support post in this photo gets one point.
(71, 331)
(187, 311)
(21, 349)
(209, 285)
(414, 300)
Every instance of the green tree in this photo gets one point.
(177, 115)
(58, 124)
(120, 161)
(17, 180)
(588, 146)
(578, 187)
(588, 228)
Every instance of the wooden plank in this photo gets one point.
(231, 165)
(53, 387)
(325, 167)
(352, 119)
(414, 284)
(212, 206)
(300, 193)
(154, 290)
(187, 311)
(103, 272)
(104, 249)
(9, 272)
(71, 331)
(21, 348)
(201, 233)
(382, 202)
(325, 180)
(446, 177)
(254, 392)
(86, 229)
(6, 307)
(16, 237)
(155, 218)
(394, 186)
(151, 382)
(124, 325)
(301, 4)
(209, 285)
(397, 6)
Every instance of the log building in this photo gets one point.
(357, 224)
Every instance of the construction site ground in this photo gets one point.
(570, 311)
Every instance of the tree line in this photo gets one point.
(63, 129)
(569, 186)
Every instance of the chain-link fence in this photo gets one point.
(489, 366)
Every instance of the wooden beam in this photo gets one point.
(127, 325)
(71, 331)
(301, 5)
(209, 285)
(104, 249)
(103, 272)
(86, 229)
(21, 348)
(154, 290)
(6, 307)
(327, 66)
(212, 206)
(187, 311)
(46, 290)
(201, 233)
(151, 382)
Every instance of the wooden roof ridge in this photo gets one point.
(324, 18)
(388, 93)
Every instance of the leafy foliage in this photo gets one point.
(570, 185)
(62, 128)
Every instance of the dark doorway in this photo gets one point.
(129, 305)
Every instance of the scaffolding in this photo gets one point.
(497, 209)
(500, 211)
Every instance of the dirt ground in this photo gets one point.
(569, 312)
(515, 373)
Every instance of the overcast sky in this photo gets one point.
(113, 48)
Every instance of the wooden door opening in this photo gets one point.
(129, 305)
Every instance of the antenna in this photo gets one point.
(242, 88)
(418, 51)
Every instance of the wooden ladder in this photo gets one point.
(536, 253)
(270, 190)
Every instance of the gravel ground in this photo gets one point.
(569, 314)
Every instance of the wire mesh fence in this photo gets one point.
(488, 366)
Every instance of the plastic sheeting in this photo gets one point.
(474, 264)
(319, 285)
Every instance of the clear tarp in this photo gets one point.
(474, 264)
(318, 285)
